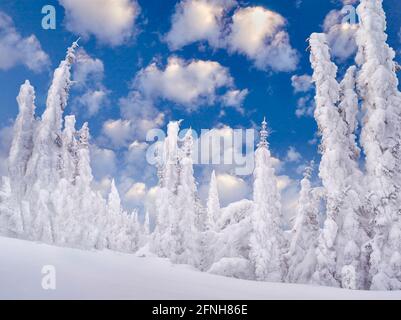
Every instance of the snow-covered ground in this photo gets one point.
(109, 275)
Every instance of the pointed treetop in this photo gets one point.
(213, 177)
(146, 223)
(309, 170)
(134, 216)
(71, 52)
(69, 122)
(264, 134)
(188, 134)
(26, 97)
(113, 185)
(84, 134)
(188, 143)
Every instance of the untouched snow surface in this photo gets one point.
(109, 275)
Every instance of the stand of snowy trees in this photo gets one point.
(48, 194)
(347, 229)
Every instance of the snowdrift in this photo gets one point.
(109, 275)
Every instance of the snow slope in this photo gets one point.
(109, 275)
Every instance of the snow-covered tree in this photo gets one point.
(42, 226)
(114, 212)
(49, 196)
(169, 171)
(171, 155)
(66, 228)
(381, 141)
(267, 240)
(45, 164)
(349, 108)
(22, 142)
(342, 237)
(89, 206)
(20, 153)
(228, 249)
(301, 256)
(208, 227)
(114, 200)
(146, 224)
(84, 171)
(357, 217)
(213, 203)
(121, 230)
(10, 222)
(70, 150)
(182, 221)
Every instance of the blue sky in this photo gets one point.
(139, 33)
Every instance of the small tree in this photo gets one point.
(213, 203)
(301, 257)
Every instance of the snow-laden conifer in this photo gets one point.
(342, 237)
(22, 142)
(266, 241)
(69, 150)
(169, 170)
(381, 139)
(301, 257)
(11, 223)
(183, 219)
(213, 203)
(45, 164)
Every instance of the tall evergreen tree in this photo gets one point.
(381, 141)
(267, 240)
(44, 169)
(22, 142)
(89, 205)
(20, 153)
(183, 221)
(342, 237)
(169, 171)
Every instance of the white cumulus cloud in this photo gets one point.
(340, 35)
(301, 83)
(136, 194)
(118, 131)
(112, 22)
(105, 162)
(17, 50)
(88, 77)
(93, 100)
(231, 188)
(256, 32)
(259, 34)
(293, 155)
(87, 68)
(197, 20)
(187, 83)
(235, 99)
